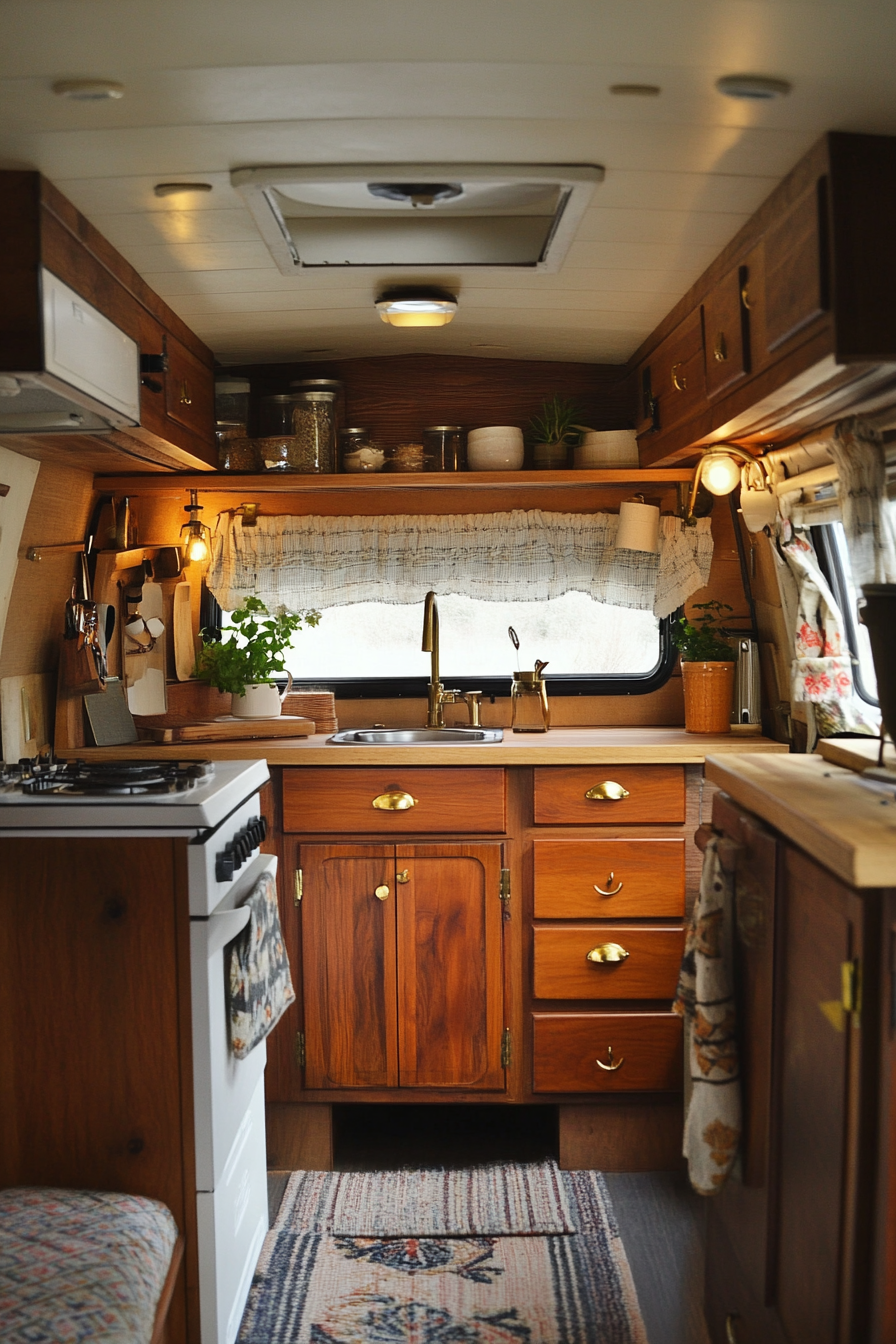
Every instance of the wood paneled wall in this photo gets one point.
(396, 396)
(59, 512)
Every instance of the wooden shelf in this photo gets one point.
(291, 482)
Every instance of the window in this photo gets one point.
(833, 554)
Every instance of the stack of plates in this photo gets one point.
(317, 705)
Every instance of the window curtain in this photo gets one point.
(858, 450)
(523, 556)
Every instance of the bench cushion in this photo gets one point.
(81, 1265)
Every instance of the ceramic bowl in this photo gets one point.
(498, 454)
(494, 432)
(607, 448)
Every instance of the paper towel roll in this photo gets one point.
(759, 508)
(639, 527)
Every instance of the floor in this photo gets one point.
(660, 1219)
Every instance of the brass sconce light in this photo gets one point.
(719, 472)
(196, 543)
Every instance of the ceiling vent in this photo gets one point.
(445, 215)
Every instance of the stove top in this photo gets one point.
(41, 778)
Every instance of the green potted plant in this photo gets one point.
(245, 661)
(707, 669)
(554, 432)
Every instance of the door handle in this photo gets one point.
(607, 954)
(394, 800)
(612, 1064)
(615, 890)
(403, 876)
(382, 893)
(609, 791)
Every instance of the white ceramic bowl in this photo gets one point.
(495, 432)
(498, 454)
(607, 448)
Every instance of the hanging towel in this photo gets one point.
(260, 983)
(705, 1000)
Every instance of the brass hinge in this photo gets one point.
(504, 888)
(300, 1049)
(506, 1049)
(297, 886)
(851, 986)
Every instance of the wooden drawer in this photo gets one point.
(646, 1046)
(650, 971)
(325, 800)
(677, 374)
(655, 793)
(644, 878)
(189, 390)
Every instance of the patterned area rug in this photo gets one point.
(567, 1288)
(514, 1199)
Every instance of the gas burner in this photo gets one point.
(108, 778)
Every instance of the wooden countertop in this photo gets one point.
(561, 746)
(847, 825)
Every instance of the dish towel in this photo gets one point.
(260, 982)
(705, 1000)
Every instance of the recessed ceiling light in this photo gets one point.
(757, 87)
(636, 90)
(416, 307)
(88, 90)
(179, 188)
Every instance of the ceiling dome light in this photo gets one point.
(755, 87)
(416, 308)
(179, 188)
(636, 90)
(88, 90)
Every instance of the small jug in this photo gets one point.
(260, 700)
(530, 711)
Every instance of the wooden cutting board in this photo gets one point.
(228, 729)
(184, 650)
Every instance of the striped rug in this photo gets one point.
(567, 1288)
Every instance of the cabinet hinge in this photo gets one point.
(506, 1049)
(504, 887)
(851, 986)
(300, 1049)
(297, 886)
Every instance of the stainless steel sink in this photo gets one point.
(413, 737)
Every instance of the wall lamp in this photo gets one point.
(719, 472)
(196, 543)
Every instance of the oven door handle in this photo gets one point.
(222, 928)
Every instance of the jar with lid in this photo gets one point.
(232, 402)
(530, 711)
(358, 453)
(236, 452)
(298, 432)
(444, 448)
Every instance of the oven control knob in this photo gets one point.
(242, 844)
(224, 867)
(263, 828)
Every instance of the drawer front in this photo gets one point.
(677, 373)
(652, 793)
(641, 1052)
(189, 390)
(609, 879)
(650, 971)
(726, 332)
(322, 800)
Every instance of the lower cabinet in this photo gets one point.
(403, 966)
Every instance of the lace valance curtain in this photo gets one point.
(523, 556)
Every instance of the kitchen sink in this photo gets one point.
(412, 737)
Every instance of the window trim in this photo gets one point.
(832, 568)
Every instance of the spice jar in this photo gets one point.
(444, 448)
(357, 453)
(529, 708)
(406, 457)
(236, 452)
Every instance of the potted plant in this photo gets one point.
(554, 432)
(707, 669)
(244, 662)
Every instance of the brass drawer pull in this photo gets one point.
(609, 791)
(382, 893)
(607, 953)
(720, 349)
(394, 800)
(185, 398)
(745, 298)
(615, 890)
(730, 1336)
(403, 876)
(613, 1064)
(679, 380)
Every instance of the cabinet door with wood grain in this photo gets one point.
(450, 978)
(348, 965)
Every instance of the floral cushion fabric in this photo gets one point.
(80, 1264)
(260, 982)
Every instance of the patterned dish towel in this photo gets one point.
(705, 1000)
(260, 983)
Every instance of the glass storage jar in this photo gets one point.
(358, 453)
(406, 457)
(232, 401)
(444, 448)
(236, 452)
(313, 432)
(530, 711)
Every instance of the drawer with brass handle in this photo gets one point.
(607, 1052)
(392, 800)
(609, 879)
(608, 795)
(606, 961)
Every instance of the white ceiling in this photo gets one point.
(212, 85)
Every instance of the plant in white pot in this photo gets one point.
(245, 661)
(707, 669)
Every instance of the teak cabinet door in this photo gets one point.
(348, 965)
(450, 982)
(402, 966)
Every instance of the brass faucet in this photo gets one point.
(437, 695)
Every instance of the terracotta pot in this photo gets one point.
(708, 692)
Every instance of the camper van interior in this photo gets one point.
(448, 672)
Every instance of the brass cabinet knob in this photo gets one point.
(607, 953)
(720, 348)
(614, 890)
(745, 298)
(185, 398)
(612, 1064)
(730, 1336)
(403, 876)
(382, 893)
(607, 792)
(679, 380)
(394, 800)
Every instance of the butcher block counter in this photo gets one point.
(560, 746)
